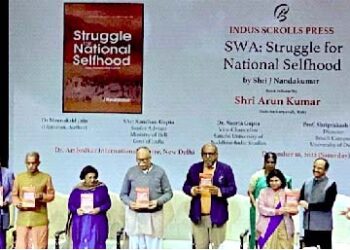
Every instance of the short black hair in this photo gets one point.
(269, 155)
(326, 165)
(276, 173)
(34, 154)
(87, 170)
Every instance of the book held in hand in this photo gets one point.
(142, 197)
(1, 196)
(28, 197)
(87, 202)
(205, 179)
(292, 200)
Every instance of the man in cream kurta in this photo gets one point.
(145, 190)
(31, 192)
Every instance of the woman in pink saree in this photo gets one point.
(275, 225)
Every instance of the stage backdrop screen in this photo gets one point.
(91, 82)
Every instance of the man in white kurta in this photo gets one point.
(145, 190)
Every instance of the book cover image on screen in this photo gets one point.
(103, 58)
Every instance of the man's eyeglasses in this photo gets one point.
(208, 153)
(143, 159)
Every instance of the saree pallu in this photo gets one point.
(279, 239)
(275, 235)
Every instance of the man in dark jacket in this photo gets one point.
(210, 183)
(6, 182)
(317, 197)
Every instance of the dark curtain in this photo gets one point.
(4, 82)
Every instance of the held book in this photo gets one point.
(1, 196)
(205, 179)
(142, 197)
(28, 197)
(292, 200)
(87, 202)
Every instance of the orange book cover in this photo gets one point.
(103, 57)
(205, 179)
(142, 197)
(292, 200)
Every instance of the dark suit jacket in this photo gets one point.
(224, 179)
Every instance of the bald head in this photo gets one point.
(143, 158)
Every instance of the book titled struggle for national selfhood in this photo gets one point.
(292, 200)
(205, 179)
(28, 197)
(87, 202)
(142, 197)
(103, 57)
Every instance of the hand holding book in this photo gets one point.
(205, 180)
(94, 211)
(292, 201)
(152, 204)
(28, 197)
(196, 190)
(39, 196)
(214, 190)
(87, 202)
(80, 211)
(142, 198)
